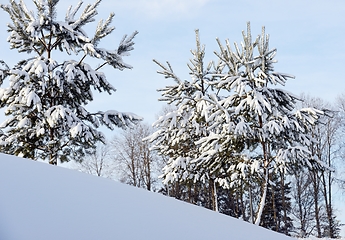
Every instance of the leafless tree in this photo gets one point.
(340, 104)
(98, 163)
(304, 212)
(327, 150)
(135, 163)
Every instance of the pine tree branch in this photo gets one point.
(57, 42)
(101, 66)
(52, 127)
(82, 59)
(42, 41)
(50, 38)
(36, 50)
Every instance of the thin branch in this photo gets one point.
(42, 41)
(50, 39)
(36, 50)
(101, 66)
(82, 59)
(57, 42)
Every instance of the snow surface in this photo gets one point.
(39, 201)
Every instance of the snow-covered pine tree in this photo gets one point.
(180, 128)
(45, 100)
(260, 116)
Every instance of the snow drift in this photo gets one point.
(41, 202)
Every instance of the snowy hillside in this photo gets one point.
(41, 202)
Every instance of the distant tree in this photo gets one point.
(136, 164)
(98, 163)
(46, 99)
(327, 149)
(303, 206)
(340, 105)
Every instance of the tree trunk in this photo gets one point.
(242, 203)
(251, 205)
(263, 199)
(300, 208)
(147, 167)
(316, 186)
(316, 202)
(189, 187)
(328, 207)
(214, 195)
(265, 151)
(282, 186)
(274, 209)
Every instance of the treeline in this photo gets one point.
(299, 202)
(232, 141)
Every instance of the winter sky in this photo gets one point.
(309, 36)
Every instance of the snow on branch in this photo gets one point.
(70, 15)
(299, 155)
(167, 71)
(309, 115)
(103, 29)
(4, 70)
(113, 118)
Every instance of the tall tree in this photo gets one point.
(327, 149)
(46, 99)
(232, 121)
(340, 105)
(258, 115)
(179, 129)
(303, 207)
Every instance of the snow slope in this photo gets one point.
(41, 202)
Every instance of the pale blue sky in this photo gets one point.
(309, 36)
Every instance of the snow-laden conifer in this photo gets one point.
(180, 129)
(260, 116)
(46, 99)
(250, 126)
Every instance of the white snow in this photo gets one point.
(41, 202)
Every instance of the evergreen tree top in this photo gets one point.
(41, 32)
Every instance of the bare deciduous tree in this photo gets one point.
(319, 182)
(98, 163)
(135, 163)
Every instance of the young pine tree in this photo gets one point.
(45, 100)
(180, 129)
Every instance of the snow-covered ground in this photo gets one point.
(41, 202)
